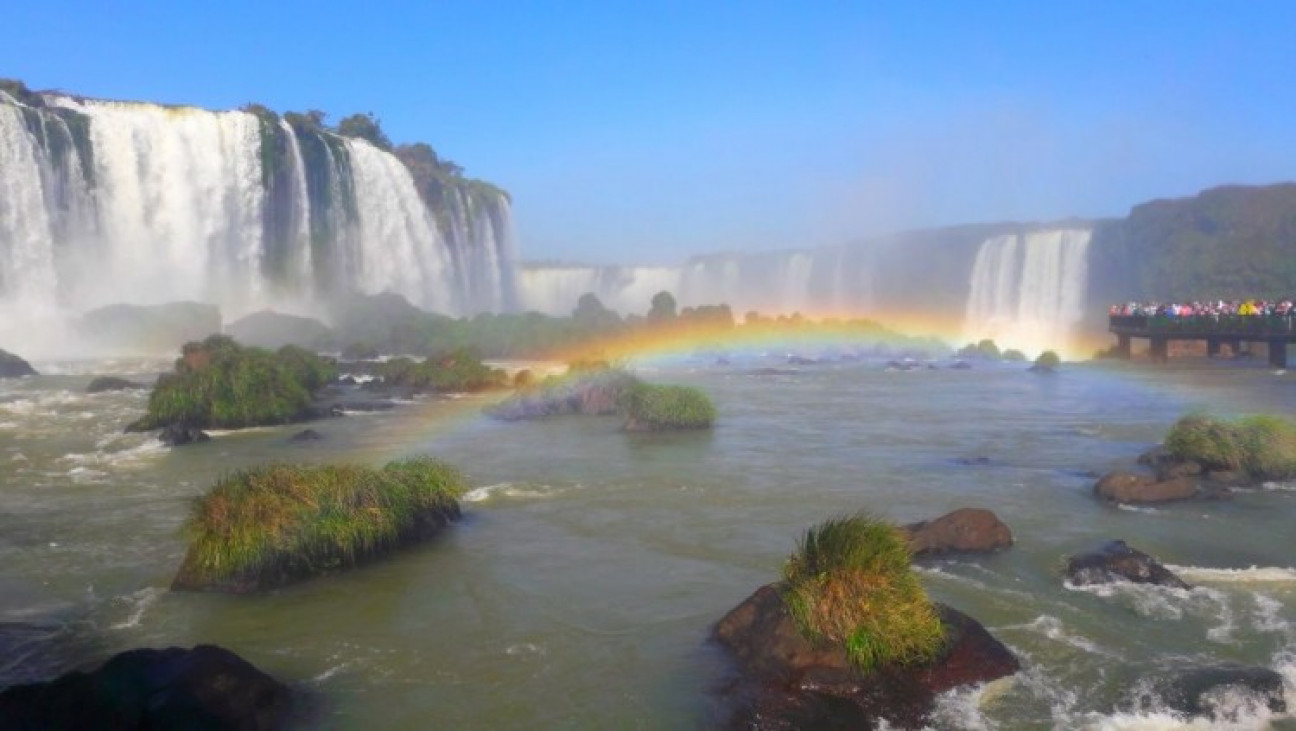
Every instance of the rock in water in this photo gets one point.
(306, 435)
(789, 682)
(1115, 561)
(1130, 487)
(177, 435)
(112, 383)
(966, 530)
(11, 366)
(1213, 692)
(206, 687)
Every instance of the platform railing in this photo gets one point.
(1203, 325)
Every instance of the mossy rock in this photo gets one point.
(650, 407)
(273, 525)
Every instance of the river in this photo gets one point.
(579, 588)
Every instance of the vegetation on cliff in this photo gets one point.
(1262, 446)
(218, 383)
(271, 525)
(850, 582)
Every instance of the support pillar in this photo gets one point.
(1160, 353)
(1235, 345)
(1278, 353)
(1212, 347)
(1123, 347)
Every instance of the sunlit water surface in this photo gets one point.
(579, 589)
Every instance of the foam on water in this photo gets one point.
(513, 491)
(1254, 574)
(139, 603)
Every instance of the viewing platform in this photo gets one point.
(1276, 332)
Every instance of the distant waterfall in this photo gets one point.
(1027, 290)
(104, 202)
(818, 282)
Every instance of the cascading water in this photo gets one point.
(1027, 290)
(104, 202)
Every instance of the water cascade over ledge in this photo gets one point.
(104, 201)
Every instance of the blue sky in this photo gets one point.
(646, 132)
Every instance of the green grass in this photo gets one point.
(456, 372)
(218, 383)
(650, 406)
(850, 582)
(1262, 446)
(273, 524)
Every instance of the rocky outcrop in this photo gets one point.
(206, 687)
(1199, 691)
(788, 682)
(966, 530)
(11, 366)
(178, 435)
(1132, 487)
(596, 394)
(1115, 561)
(112, 383)
(147, 328)
(273, 330)
(306, 435)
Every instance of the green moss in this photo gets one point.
(850, 583)
(270, 525)
(218, 383)
(1264, 447)
(653, 407)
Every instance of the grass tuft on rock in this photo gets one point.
(220, 384)
(850, 583)
(271, 525)
(1262, 446)
(651, 407)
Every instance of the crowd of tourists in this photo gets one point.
(1213, 308)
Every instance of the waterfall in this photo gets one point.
(104, 202)
(1027, 290)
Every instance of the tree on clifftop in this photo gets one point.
(366, 127)
(663, 307)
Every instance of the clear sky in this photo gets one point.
(646, 132)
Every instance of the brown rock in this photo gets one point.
(789, 682)
(1129, 487)
(966, 530)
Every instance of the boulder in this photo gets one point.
(786, 681)
(11, 366)
(1114, 561)
(1216, 692)
(152, 328)
(112, 383)
(306, 435)
(206, 687)
(1131, 487)
(966, 530)
(273, 330)
(178, 435)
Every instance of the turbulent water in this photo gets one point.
(104, 202)
(580, 586)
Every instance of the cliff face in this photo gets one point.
(1226, 242)
(108, 201)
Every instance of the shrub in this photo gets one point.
(1014, 356)
(1047, 361)
(457, 372)
(218, 383)
(1262, 446)
(850, 583)
(270, 525)
(652, 407)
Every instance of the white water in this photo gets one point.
(1027, 290)
(177, 208)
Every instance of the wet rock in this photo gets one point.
(966, 530)
(206, 687)
(787, 682)
(11, 366)
(1217, 692)
(978, 461)
(1115, 561)
(178, 435)
(112, 383)
(1131, 487)
(801, 360)
(961, 365)
(306, 435)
